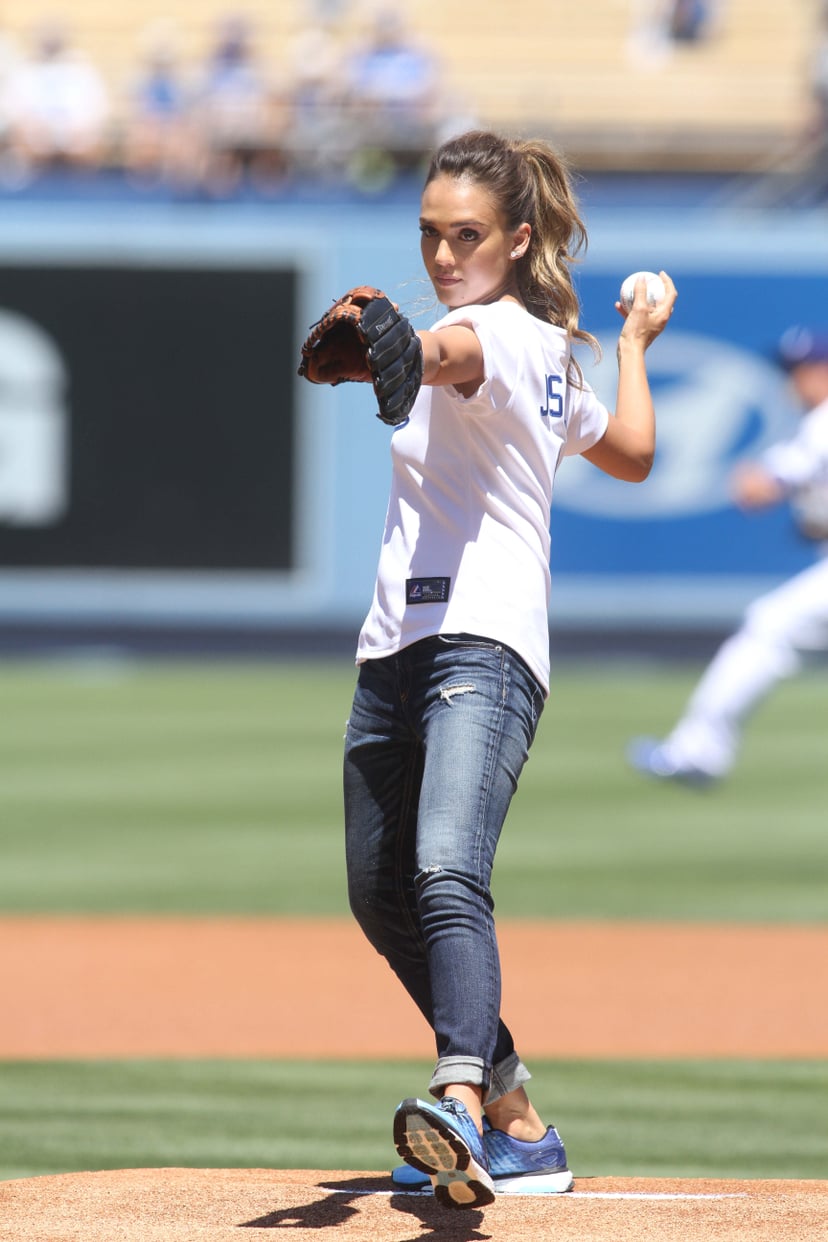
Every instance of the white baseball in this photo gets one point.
(655, 289)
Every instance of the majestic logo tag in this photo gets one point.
(427, 590)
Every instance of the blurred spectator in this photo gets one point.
(240, 111)
(158, 140)
(57, 106)
(320, 136)
(394, 96)
(688, 21)
(9, 59)
(660, 26)
(819, 108)
(800, 176)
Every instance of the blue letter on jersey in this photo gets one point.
(554, 400)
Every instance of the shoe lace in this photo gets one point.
(457, 1108)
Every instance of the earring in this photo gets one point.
(514, 254)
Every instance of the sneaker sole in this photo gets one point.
(440, 1152)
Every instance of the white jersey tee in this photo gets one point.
(800, 465)
(466, 542)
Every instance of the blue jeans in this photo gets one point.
(437, 738)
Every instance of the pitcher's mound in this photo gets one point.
(184, 1205)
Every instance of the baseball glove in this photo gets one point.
(363, 338)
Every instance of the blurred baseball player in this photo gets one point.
(781, 628)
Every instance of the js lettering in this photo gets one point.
(554, 397)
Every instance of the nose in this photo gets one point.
(443, 256)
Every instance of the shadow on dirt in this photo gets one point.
(428, 1219)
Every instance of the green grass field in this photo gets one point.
(202, 788)
(698, 1119)
(216, 788)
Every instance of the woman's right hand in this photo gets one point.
(644, 322)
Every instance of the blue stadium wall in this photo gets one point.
(161, 465)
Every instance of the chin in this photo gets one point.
(447, 297)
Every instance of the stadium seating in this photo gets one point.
(583, 74)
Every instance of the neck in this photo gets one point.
(507, 292)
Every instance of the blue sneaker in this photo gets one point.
(537, 1168)
(652, 758)
(516, 1167)
(441, 1140)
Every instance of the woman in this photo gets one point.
(454, 654)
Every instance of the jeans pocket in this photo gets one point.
(472, 641)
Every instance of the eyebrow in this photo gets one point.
(458, 224)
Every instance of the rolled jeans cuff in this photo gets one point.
(507, 1075)
(448, 1070)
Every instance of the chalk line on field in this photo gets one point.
(650, 1194)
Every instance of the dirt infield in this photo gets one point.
(184, 1205)
(177, 987)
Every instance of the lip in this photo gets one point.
(446, 282)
